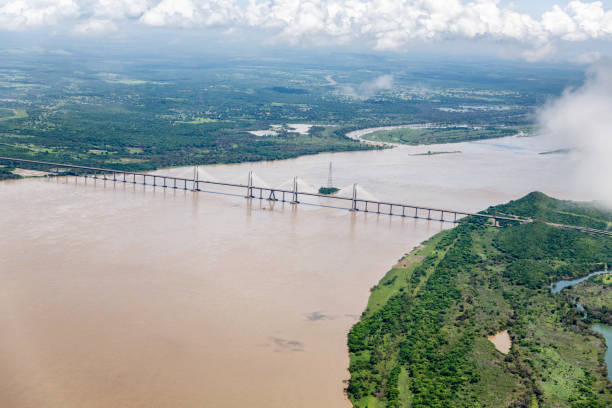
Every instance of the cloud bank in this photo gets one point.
(581, 119)
(392, 25)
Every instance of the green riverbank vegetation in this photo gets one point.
(6, 173)
(451, 134)
(422, 340)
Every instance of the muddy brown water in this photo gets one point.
(128, 296)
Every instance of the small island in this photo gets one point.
(430, 153)
(328, 190)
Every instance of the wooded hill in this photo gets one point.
(422, 341)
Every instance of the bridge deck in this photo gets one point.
(357, 203)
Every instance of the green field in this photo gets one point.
(424, 136)
(422, 340)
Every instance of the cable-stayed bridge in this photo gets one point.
(296, 191)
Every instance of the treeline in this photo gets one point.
(539, 206)
(5, 173)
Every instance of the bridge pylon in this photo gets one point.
(295, 199)
(354, 198)
(196, 177)
(250, 186)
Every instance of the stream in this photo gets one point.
(604, 330)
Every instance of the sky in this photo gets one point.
(531, 30)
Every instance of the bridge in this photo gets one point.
(292, 195)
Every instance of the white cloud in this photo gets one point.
(121, 9)
(581, 119)
(24, 14)
(589, 57)
(539, 53)
(378, 24)
(95, 27)
(189, 13)
(368, 89)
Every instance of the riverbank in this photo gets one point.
(423, 339)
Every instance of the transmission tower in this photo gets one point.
(330, 182)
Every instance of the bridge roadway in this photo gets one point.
(275, 194)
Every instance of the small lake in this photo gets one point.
(606, 331)
(559, 286)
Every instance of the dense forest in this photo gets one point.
(422, 341)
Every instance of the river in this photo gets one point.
(557, 287)
(124, 296)
(606, 331)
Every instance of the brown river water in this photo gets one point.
(115, 295)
